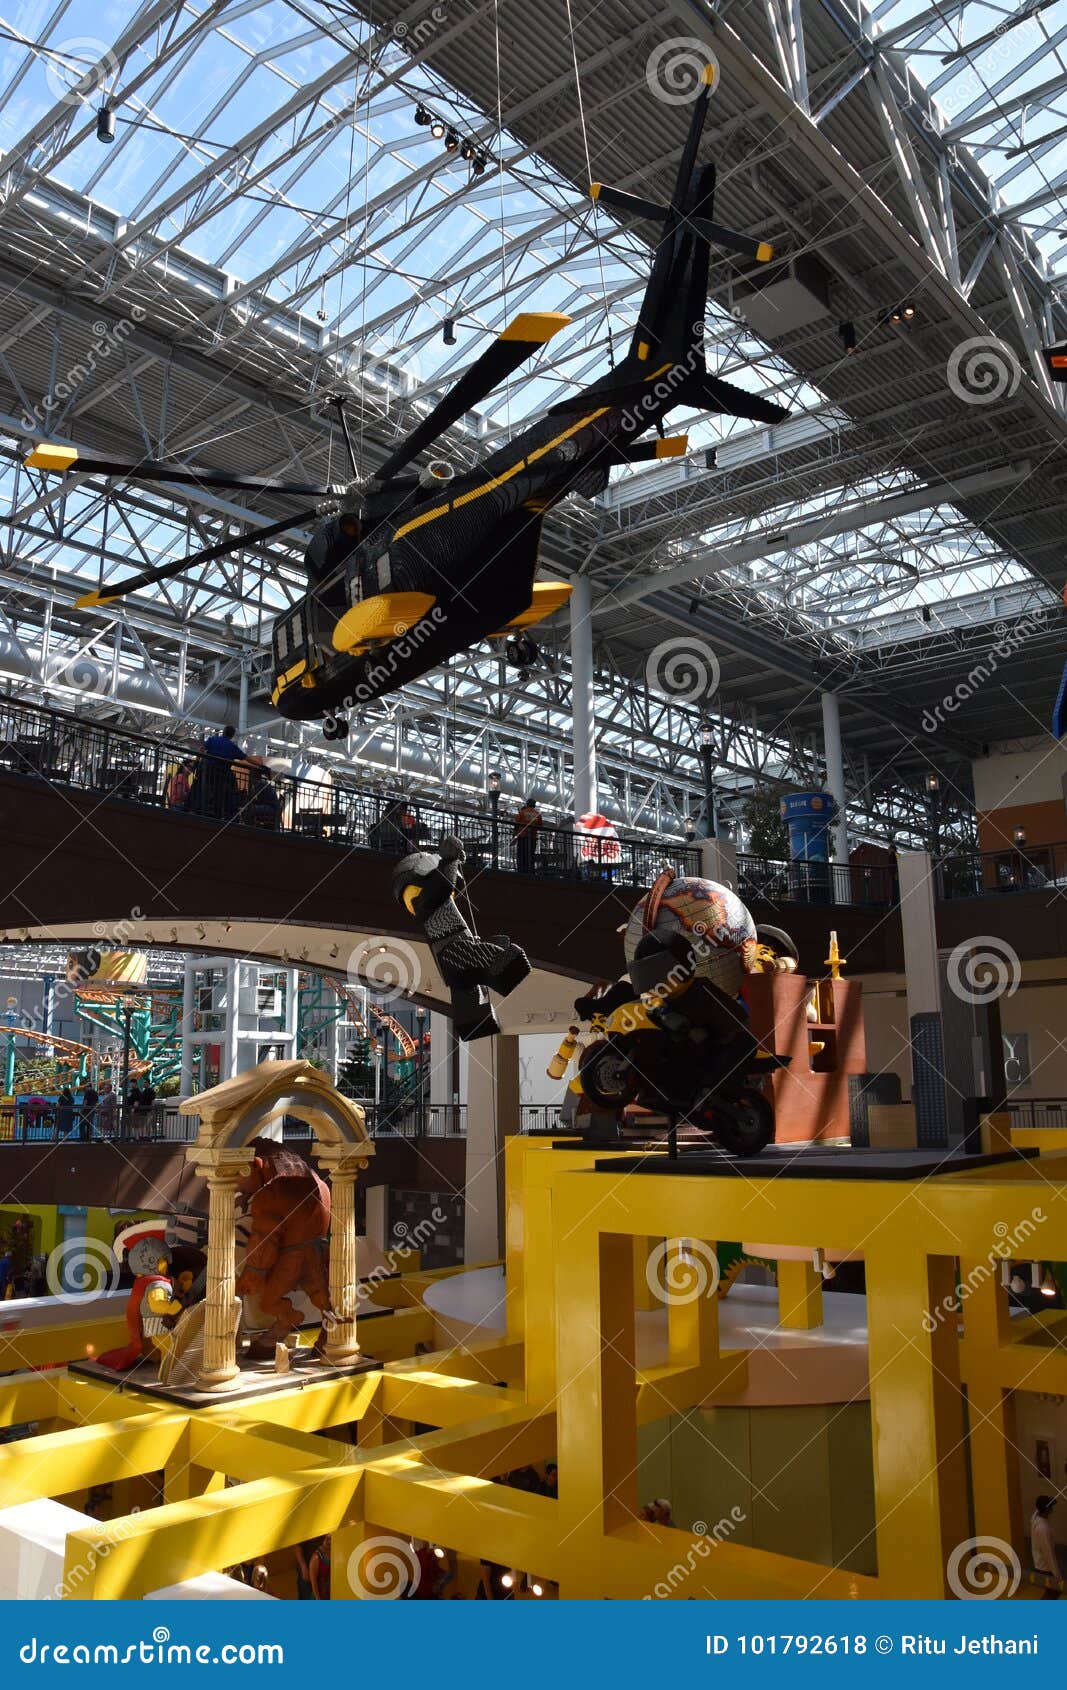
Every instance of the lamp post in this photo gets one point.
(420, 1017)
(493, 785)
(933, 799)
(707, 764)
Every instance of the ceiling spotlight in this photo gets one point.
(451, 141)
(909, 310)
(467, 151)
(422, 117)
(711, 457)
(1048, 1284)
(479, 164)
(450, 331)
(933, 781)
(437, 129)
(105, 125)
(847, 332)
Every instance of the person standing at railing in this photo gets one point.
(63, 1115)
(222, 777)
(528, 824)
(106, 1111)
(87, 1114)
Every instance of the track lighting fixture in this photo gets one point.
(105, 124)
(451, 141)
(422, 117)
(479, 164)
(437, 128)
(467, 151)
(450, 331)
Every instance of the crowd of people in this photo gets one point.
(97, 1114)
(221, 780)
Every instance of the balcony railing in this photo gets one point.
(111, 763)
(162, 1124)
(1038, 1111)
(759, 878)
(978, 874)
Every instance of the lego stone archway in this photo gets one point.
(231, 1116)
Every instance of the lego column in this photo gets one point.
(492, 1114)
(219, 1363)
(582, 706)
(835, 771)
(342, 1164)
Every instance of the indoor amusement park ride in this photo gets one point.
(408, 567)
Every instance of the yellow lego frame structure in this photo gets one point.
(563, 1383)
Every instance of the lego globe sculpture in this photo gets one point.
(710, 917)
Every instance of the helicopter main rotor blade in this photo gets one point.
(521, 338)
(167, 571)
(61, 460)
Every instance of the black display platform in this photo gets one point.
(812, 1161)
(250, 1383)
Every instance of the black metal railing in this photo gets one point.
(111, 763)
(978, 874)
(760, 878)
(1038, 1111)
(30, 1123)
(540, 1118)
(405, 1119)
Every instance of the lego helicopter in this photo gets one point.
(410, 566)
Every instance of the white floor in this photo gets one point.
(827, 1364)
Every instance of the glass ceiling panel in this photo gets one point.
(356, 218)
(998, 74)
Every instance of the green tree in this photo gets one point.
(765, 831)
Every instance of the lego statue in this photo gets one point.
(673, 1034)
(288, 1206)
(151, 1307)
(426, 884)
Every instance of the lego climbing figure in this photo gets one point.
(151, 1307)
(426, 883)
(673, 1034)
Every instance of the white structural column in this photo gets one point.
(584, 719)
(492, 1113)
(835, 771)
